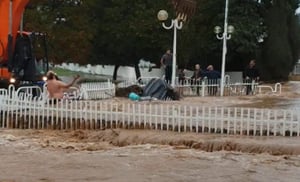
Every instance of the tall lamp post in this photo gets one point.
(162, 15)
(228, 30)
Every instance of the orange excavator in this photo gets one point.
(19, 63)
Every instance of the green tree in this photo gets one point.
(280, 49)
(267, 31)
(129, 31)
(207, 49)
(121, 32)
(69, 25)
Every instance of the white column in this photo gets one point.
(224, 49)
(174, 53)
(176, 25)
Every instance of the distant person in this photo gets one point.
(250, 74)
(181, 76)
(197, 76)
(167, 62)
(57, 88)
(213, 76)
(181, 80)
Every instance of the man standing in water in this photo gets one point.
(55, 87)
(167, 62)
(212, 78)
(197, 77)
(251, 74)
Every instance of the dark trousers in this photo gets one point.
(248, 86)
(212, 90)
(168, 73)
(196, 84)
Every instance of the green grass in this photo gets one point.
(65, 72)
(84, 77)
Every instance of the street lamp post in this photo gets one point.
(176, 24)
(228, 30)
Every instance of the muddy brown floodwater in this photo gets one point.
(158, 156)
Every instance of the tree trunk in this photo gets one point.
(115, 74)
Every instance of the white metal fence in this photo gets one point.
(31, 113)
(211, 87)
(97, 90)
(87, 91)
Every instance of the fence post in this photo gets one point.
(203, 87)
(284, 122)
(196, 119)
(241, 121)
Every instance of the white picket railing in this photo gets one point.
(88, 91)
(31, 113)
(208, 87)
(97, 90)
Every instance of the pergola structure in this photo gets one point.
(184, 8)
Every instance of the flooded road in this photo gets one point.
(93, 156)
(289, 99)
(147, 163)
(143, 155)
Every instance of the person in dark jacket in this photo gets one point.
(167, 62)
(196, 78)
(181, 80)
(250, 74)
(213, 77)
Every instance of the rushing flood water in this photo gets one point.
(289, 99)
(95, 156)
(142, 155)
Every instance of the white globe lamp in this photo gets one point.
(162, 15)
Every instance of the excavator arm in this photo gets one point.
(18, 62)
(10, 17)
